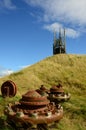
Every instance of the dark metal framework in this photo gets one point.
(59, 45)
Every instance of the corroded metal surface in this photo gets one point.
(34, 108)
(43, 91)
(57, 94)
(8, 89)
(33, 98)
(56, 89)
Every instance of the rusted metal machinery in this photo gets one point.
(43, 91)
(57, 94)
(34, 109)
(8, 89)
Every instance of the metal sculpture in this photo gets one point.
(34, 109)
(43, 91)
(8, 89)
(57, 94)
(59, 45)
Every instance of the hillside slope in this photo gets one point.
(70, 71)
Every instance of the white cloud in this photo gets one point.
(7, 72)
(72, 33)
(56, 26)
(4, 71)
(24, 66)
(7, 4)
(70, 13)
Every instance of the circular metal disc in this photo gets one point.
(8, 89)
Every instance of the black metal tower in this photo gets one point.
(59, 45)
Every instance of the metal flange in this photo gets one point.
(8, 89)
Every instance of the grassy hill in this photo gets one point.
(67, 69)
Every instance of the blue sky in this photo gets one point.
(26, 30)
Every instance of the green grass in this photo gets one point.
(67, 69)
